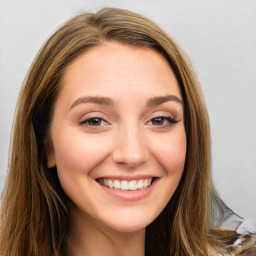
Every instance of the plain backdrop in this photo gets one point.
(220, 39)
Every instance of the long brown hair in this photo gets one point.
(34, 212)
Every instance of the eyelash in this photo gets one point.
(86, 122)
(169, 119)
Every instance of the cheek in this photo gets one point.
(77, 152)
(170, 152)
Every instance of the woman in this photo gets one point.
(111, 148)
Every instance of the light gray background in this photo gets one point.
(220, 38)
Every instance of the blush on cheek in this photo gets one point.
(76, 152)
(74, 160)
(172, 156)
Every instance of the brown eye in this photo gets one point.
(158, 121)
(94, 121)
(162, 121)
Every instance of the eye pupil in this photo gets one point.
(158, 121)
(94, 121)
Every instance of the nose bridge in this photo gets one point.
(130, 146)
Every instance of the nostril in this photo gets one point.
(130, 156)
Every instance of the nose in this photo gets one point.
(130, 149)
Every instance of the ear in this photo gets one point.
(50, 153)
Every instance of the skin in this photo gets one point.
(128, 142)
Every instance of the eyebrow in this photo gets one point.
(94, 99)
(154, 101)
(158, 100)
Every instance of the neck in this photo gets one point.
(86, 237)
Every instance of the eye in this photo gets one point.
(162, 121)
(95, 121)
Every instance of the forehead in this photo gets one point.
(117, 69)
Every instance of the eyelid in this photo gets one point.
(91, 118)
(92, 115)
(85, 122)
(161, 113)
(168, 120)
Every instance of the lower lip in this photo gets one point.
(130, 195)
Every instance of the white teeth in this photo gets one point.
(140, 184)
(110, 184)
(133, 185)
(117, 184)
(126, 185)
(145, 183)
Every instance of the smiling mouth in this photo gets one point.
(125, 185)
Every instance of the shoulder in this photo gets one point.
(245, 242)
(238, 235)
(245, 245)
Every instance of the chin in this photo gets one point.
(128, 227)
(129, 222)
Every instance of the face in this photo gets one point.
(117, 135)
